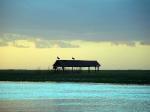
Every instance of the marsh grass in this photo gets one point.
(102, 76)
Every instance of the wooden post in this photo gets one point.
(98, 68)
(80, 68)
(88, 69)
(63, 68)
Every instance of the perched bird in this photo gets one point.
(73, 58)
(58, 58)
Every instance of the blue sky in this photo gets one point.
(95, 20)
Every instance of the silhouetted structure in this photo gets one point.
(75, 63)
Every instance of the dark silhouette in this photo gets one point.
(75, 63)
(73, 58)
(58, 58)
(101, 76)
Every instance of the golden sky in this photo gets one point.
(110, 55)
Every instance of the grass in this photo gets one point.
(102, 76)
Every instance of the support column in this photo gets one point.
(80, 68)
(63, 68)
(98, 68)
(88, 69)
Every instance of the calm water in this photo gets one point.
(73, 97)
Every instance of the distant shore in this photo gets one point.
(102, 76)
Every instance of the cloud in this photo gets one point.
(15, 40)
(3, 43)
(115, 43)
(13, 36)
(65, 44)
(23, 41)
(21, 46)
(128, 43)
(40, 43)
(145, 43)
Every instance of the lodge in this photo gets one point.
(62, 64)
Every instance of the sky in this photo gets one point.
(114, 32)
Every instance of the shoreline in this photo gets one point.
(140, 77)
(94, 83)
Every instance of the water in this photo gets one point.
(73, 97)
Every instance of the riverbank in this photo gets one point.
(102, 76)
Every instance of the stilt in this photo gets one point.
(88, 69)
(80, 68)
(98, 68)
(63, 68)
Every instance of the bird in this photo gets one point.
(58, 58)
(73, 58)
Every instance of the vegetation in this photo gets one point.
(102, 76)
